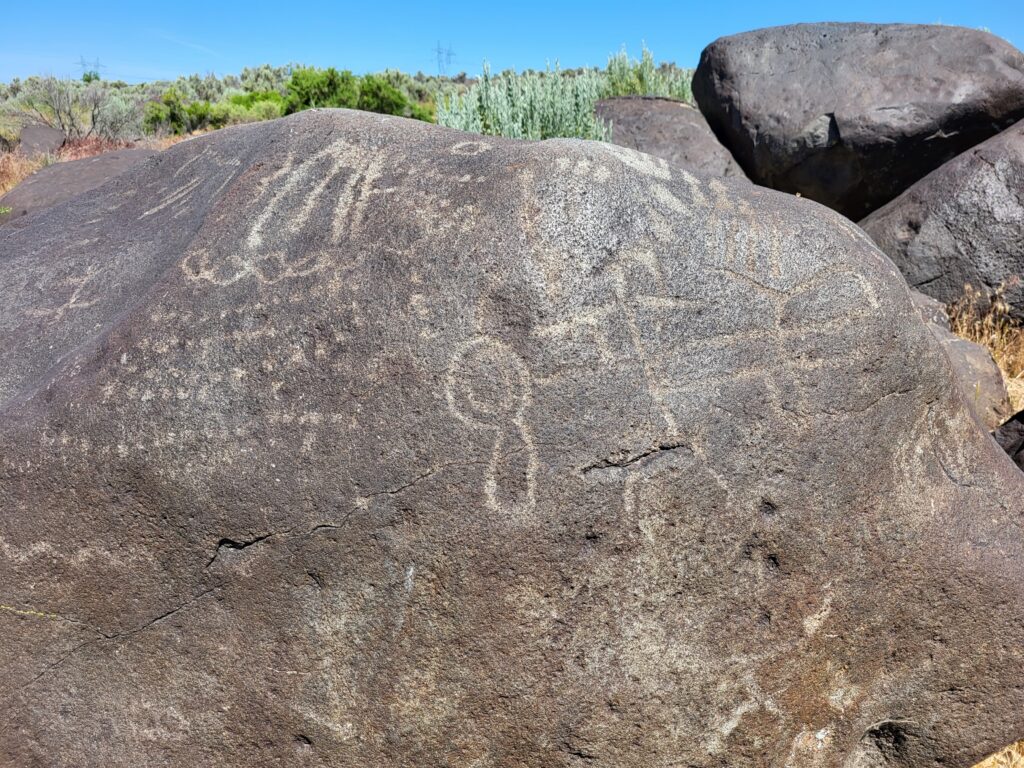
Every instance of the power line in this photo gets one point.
(445, 56)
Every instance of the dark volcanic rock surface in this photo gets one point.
(931, 310)
(978, 376)
(346, 440)
(63, 181)
(669, 129)
(976, 372)
(39, 140)
(962, 224)
(851, 115)
(1010, 436)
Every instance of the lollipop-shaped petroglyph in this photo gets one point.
(488, 387)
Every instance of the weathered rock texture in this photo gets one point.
(931, 310)
(346, 440)
(669, 129)
(962, 224)
(62, 181)
(850, 115)
(976, 372)
(39, 140)
(978, 376)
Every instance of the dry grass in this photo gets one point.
(986, 321)
(1011, 757)
(15, 168)
(81, 148)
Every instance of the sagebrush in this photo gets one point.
(556, 103)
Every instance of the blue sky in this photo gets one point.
(144, 41)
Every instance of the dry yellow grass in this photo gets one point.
(1011, 757)
(15, 168)
(986, 321)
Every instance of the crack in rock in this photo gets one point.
(624, 459)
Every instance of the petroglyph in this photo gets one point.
(648, 165)
(74, 300)
(643, 312)
(488, 387)
(585, 169)
(340, 178)
(470, 148)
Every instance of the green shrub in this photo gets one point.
(376, 94)
(119, 118)
(155, 117)
(172, 115)
(310, 87)
(265, 110)
(266, 78)
(250, 99)
(80, 110)
(197, 115)
(540, 105)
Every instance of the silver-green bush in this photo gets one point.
(625, 77)
(541, 105)
(532, 105)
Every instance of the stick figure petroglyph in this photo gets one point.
(489, 387)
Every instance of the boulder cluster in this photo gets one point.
(348, 440)
(914, 131)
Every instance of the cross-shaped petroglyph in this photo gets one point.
(489, 387)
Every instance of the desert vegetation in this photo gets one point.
(556, 103)
(1011, 757)
(530, 104)
(987, 320)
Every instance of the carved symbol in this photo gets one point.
(470, 148)
(338, 178)
(489, 387)
(77, 285)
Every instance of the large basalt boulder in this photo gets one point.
(851, 115)
(62, 181)
(669, 129)
(962, 224)
(349, 440)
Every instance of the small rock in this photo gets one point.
(39, 140)
(978, 376)
(1010, 436)
(931, 310)
(669, 129)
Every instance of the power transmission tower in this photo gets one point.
(90, 69)
(445, 56)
